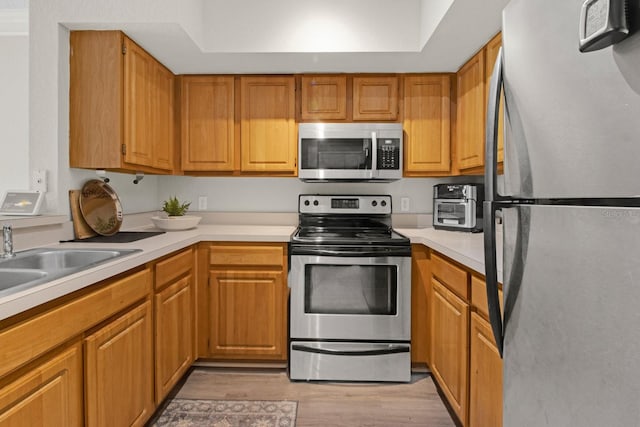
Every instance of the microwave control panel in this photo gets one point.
(388, 154)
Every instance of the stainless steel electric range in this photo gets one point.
(350, 280)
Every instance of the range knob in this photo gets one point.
(374, 203)
(315, 203)
(383, 203)
(306, 203)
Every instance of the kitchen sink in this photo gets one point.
(35, 266)
(10, 278)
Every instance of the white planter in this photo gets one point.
(176, 223)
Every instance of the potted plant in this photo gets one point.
(173, 207)
(176, 216)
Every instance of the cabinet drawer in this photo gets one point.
(172, 268)
(33, 337)
(479, 296)
(246, 255)
(451, 275)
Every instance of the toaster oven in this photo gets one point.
(458, 207)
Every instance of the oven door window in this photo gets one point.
(351, 289)
(343, 153)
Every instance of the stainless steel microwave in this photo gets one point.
(350, 151)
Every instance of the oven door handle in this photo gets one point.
(392, 349)
(360, 253)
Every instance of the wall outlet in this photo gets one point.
(39, 180)
(202, 203)
(405, 204)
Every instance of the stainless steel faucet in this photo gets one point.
(7, 242)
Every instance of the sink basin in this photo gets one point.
(59, 259)
(11, 278)
(36, 266)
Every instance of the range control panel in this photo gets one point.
(344, 204)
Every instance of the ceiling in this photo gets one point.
(289, 36)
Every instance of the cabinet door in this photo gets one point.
(95, 99)
(162, 118)
(324, 97)
(208, 123)
(419, 304)
(247, 315)
(427, 124)
(491, 52)
(375, 98)
(471, 113)
(450, 320)
(48, 395)
(174, 335)
(138, 110)
(119, 371)
(485, 382)
(268, 129)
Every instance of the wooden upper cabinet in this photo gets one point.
(121, 105)
(491, 52)
(427, 124)
(208, 136)
(267, 125)
(471, 112)
(323, 97)
(163, 113)
(138, 80)
(375, 98)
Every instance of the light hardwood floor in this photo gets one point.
(323, 404)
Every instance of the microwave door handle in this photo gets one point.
(374, 154)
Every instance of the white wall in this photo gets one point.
(236, 194)
(49, 85)
(14, 113)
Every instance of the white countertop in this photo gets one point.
(465, 248)
(151, 248)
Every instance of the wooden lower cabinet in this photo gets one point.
(174, 335)
(48, 394)
(420, 285)
(485, 376)
(119, 371)
(449, 346)
(242, 301)
(174, 305)
(248, 314)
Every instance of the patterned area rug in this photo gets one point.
(228, 413)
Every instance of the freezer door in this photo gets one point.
(572, 124)
(572, 317)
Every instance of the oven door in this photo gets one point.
(350, 298)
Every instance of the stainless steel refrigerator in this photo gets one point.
(570, 203)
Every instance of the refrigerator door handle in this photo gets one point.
(491, 272)
(491, 136)
(491, 203)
